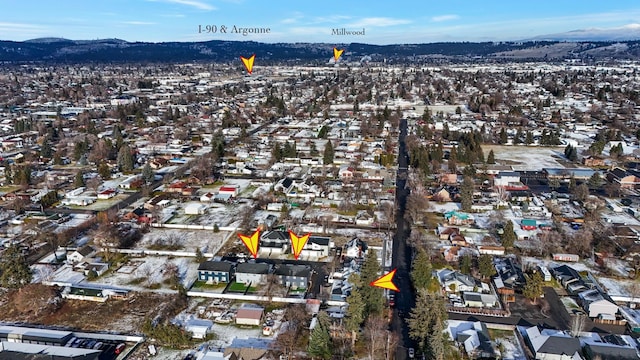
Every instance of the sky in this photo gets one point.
(383, 22)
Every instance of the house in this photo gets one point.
(610, 351)
(285, 185)
(458, 218)
(355, 248)
(294, 276)
(597, 305)
(247, 315)
(566, 257)
(215, 271)
(248, 349)
(252, 273)
(442, 195)
(275, 242)
(346, 172)
(107, 194)
(528, 224)
(199, 328)
(80, 254)
(593, 161)
(474, 337)
(627, 179)
(552, 344)
(195, 209)
(454, 281)
(478, 300)
(233, 190)
(316, 247)
(208, 197)
(506, 178)
(569, 278)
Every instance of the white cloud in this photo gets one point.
(200, 5)
(22, 30)
(138, 23)
(378, 22)
(293, 19)
(441, 18)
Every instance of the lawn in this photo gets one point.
(240, 287)
(495, 334)
(199, 284)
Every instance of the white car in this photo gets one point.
(412, 353)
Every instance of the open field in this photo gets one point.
(526, 157)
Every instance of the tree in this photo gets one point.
(375, 332)
(595, 181)
(147, 174)
(508, 235)
(485, 266)
(372, 296)
(429, 313)
(491, 158)
(78, 181)
(533, 287)
(554, 183)
(466, 193)
(528, 139)
(452, 162)
(200, 258)
(328, 153)
(290, 335)
(320, 338)
(104, 171)
(14, 269)
(421, 272)
(503, 136)
(125, 159)
(355, 311)
(465, 264)
(581, 192)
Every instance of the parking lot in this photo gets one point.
(110, 349)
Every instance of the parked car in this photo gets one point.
(412, 353)
(119, 348)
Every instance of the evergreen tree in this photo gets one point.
(79, 180)
(277, 152)
(14, 269)
(533, 287)
(147, 174)
(372, 296)
(421, 272)
(104, 171)
(45, 149)
(355, 310)
(503, 136)
(465, 264)
(328, 154)
(429, 313)
(528, 138)
(508, 236)
(491, 158)
(466, 193)
(125, 159)
(485, 266)
(452, 163)
(320, 338)
(324, 131)
(595, 181)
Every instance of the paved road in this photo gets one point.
(405, 299)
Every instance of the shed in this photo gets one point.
(249, 316)
(195, 209)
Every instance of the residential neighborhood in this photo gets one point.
(151, 210)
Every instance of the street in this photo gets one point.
(405, 299)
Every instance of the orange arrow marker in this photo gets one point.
(248, 62)
(251, 242)
(386, 281)
(337, 53)
(297, 243)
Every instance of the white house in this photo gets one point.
(195, 209)
(80, 253)
(552, 344)
(596, 305)
(106, 194)
(198, 328)
(208, 197)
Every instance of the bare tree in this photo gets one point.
(145, 271)
(375, 331)
(577, 324)
(290, 336)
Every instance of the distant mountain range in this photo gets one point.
(628, 32)
(116, 50)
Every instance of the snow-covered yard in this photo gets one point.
(143, 273)
(525, 157)
(187, 240)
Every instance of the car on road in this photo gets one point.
(392, 299)
(412, 353)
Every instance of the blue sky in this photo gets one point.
(385, 22)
